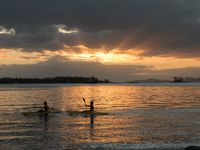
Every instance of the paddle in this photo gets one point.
(37, 107)
(85, 103)
(53, 109)
(42, 107)
(32, 107)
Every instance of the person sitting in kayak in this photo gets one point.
(45, 108)
(91, 105)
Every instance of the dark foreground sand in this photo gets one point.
(157, 149)
(180, 148)
(186, 148)
(132, 148)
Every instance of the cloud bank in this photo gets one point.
(155, 27)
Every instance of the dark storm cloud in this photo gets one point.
(159, 27)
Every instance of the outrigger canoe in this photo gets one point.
(40, 113)
(86, 113)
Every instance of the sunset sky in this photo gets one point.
(122, 40)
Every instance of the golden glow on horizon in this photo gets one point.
(167, 62)
(102, 57)
(8, 57)
(82, 53)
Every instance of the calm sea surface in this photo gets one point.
(140, 116)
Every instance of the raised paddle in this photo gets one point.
(85, 103)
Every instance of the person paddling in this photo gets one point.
(91, 105)
(44, 108)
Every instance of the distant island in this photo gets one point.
(150, 80)
(176, 79)
(67, 79)
(186, 79)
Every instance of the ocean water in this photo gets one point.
(141, 116)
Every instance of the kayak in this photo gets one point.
(40, 113)
(86, 113)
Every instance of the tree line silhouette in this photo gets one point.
(186, 79)
(178, 79)
(63, 79)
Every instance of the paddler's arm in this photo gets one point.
(41, 109)
(53, 109)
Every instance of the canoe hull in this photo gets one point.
(86, 113)
(40, 113)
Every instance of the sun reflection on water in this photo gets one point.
(137, 115)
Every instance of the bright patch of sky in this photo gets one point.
(63, 29)
(4, 30)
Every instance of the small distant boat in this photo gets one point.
(40, 113)
(86, 113)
